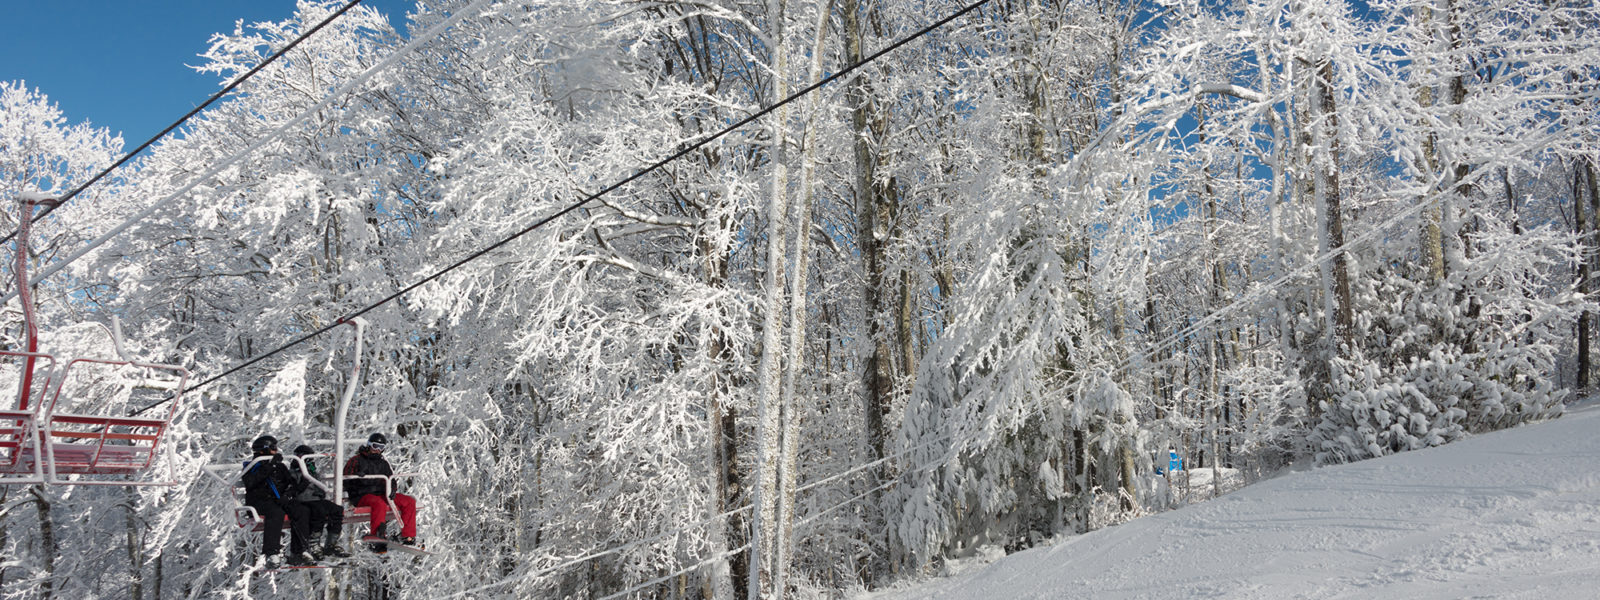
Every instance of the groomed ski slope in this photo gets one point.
(1510, 514)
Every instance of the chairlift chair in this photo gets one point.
(332, 481)
(63, 424)
(247, 518)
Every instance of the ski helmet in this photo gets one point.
(303, 450)
(264, 444)
(377, 441)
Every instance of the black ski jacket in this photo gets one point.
(365, 463)
(268, 480)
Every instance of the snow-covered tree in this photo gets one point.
(960, 298)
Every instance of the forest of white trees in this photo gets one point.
(972, 294)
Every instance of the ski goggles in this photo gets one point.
(376, 446)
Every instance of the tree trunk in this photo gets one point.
(1129, 472)
(730, 483)
(1081, 475)
(1593, 258)
(135, 554)
(1328, 180)
(1432, 238)
(769, 412)
(905, 318)
(156, 592)
(800, 228)
(1587, 243)
(724, 448)
(47, 542)
(869, 208)
(5, 492)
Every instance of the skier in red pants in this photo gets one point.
(370, 493)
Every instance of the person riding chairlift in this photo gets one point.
(370, 493)
(270, 489)
(325, 515)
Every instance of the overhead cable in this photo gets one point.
(684, 150)
(48, 208)
(349, 86)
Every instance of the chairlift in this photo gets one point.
(332, 480)
(64, 430)
(247, 518)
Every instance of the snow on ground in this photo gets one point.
(1510, 514)
(1198, 485)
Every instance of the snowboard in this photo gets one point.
(412, 550)
(393, 546)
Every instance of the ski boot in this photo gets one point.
(332, 550)
(330, 547)
(376, 543)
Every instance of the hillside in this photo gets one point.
(1511, 514)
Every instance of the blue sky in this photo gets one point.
(120, 64)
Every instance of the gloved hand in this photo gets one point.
(277, 459)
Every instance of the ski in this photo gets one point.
(287, 568)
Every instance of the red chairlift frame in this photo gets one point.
(34, 453)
